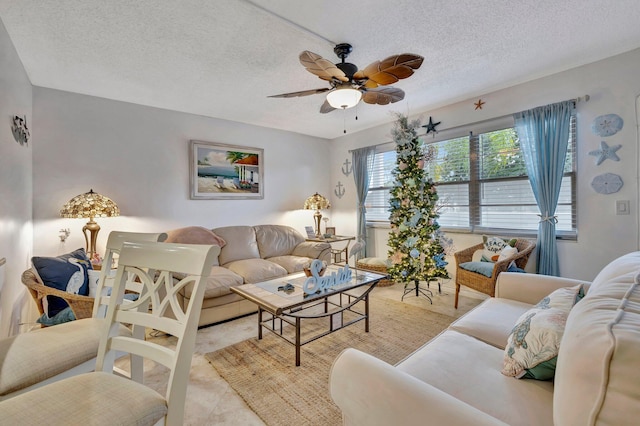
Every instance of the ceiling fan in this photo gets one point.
(350, 85)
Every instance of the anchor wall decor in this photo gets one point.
(347, 167)
(339, 191)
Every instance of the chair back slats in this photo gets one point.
(149, 350)
(154, 265)
(114, 245)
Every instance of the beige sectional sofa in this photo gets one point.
(249, 254)
(456, 379)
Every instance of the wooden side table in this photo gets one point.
(336, 253)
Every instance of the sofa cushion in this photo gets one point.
(597, 374)
(276, 240)
(469, 370)
(256, 270)
(290, 263)
(535, 340)
(241, 243)
(491, 321)
(219, 282)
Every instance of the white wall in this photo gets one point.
(138, 157)
(15, 184)
(613, 86)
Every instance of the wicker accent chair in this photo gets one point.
(82, 306)
(481, 282)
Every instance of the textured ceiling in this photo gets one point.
(223, 58)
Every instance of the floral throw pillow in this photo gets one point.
(532, 347)
(493, 246)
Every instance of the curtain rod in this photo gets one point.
(575, 101)
(584, 98)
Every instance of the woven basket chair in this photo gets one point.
(82, 306)
(482, 283)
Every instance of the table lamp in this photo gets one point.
(90, 205)
(317, 202)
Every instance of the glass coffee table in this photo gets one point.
(282, 301)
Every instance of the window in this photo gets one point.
(482, 183)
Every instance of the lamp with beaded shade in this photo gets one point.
(90, 205)
(317, 202)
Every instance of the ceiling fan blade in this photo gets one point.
(301, 93)
(383, 95)
(391, 69)
(325, 108)
(321, 67)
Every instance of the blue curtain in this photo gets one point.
(544, 137)
(362, 163)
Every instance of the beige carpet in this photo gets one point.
(264, 374)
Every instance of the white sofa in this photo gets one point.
(455, 379)
(250, 254)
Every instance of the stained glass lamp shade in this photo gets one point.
(90, 205)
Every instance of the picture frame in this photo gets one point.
(311, 234)
(330, 230)
(220, 171)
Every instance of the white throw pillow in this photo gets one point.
(493, 246)
(507, 252)
(534, 342)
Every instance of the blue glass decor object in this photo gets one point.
(607, 125)
(606, 152)
(607, 183)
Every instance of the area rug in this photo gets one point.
(264, 374)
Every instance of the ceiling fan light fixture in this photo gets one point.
(344, 97)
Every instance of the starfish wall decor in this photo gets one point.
(479, 104)
(431, 126)
(606, 152)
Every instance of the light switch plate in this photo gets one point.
(622, 207)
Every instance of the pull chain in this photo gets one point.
(344, 120)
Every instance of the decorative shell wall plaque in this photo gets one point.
(607, 125)
(607, 183)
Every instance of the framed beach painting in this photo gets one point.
(218, 171)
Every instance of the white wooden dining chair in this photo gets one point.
(33, 359)
(104, 398)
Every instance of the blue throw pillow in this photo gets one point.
(514, 268)
(67, 272)
(64, 315)
(484, 268)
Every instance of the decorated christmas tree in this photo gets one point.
(415, 242)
